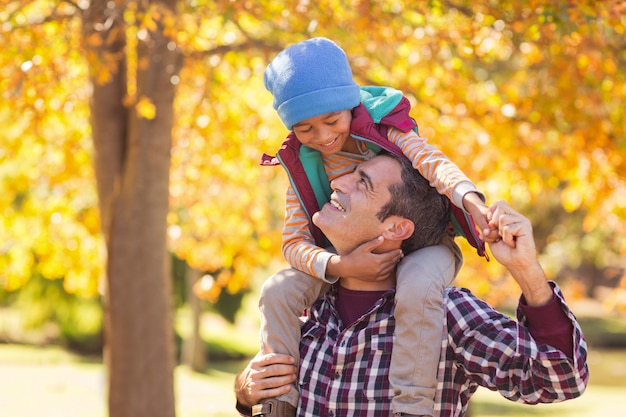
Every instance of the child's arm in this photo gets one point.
(446, 177)
(303, 254)
(298, 244)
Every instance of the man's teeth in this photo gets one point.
(336, 205)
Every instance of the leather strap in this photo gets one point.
(273, 408)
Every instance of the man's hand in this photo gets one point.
(517, 251)
(266, 376)
(515, 245)
(363, 263)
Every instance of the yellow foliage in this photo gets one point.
(145, 108)
(103, 75)
(571, 199)
(617, 300)
(529, 106)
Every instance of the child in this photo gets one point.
(335, 125)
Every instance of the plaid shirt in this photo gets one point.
(345, 372)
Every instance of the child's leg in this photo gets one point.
(421, 279)
(284, 297)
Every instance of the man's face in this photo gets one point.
(350, 218)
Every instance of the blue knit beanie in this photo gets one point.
(310, 78)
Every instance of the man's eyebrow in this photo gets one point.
(365, 176)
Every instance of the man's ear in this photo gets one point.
(398, 228)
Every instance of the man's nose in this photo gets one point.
(341, 184)
(335, 184)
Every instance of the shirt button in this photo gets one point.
(331, 414)
(337, 375)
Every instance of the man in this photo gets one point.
(348, 337)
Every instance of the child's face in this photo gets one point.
(326, 133)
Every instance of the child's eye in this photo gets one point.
(334, 122)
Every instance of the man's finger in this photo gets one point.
(274, 392)
(272, 358)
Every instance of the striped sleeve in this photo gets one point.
(299, 248)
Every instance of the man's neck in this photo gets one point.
(381, 284)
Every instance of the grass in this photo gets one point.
(605, 331)
(51, 381)
(598, 401)
(68, 385)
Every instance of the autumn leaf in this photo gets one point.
(529, 106)
(145, 108)
(95, 39)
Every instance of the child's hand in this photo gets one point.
(365, 265)
(479, 212)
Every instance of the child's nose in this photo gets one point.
(325, 133)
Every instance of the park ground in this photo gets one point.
(51, 381)
(54, 383)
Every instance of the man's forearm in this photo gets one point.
(533, 283)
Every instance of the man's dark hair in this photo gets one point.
(416, 200)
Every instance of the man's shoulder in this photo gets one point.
(462, 303)
(455, 295)
(452, 293)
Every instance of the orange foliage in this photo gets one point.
(526, 97)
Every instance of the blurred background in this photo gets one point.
(130, 181)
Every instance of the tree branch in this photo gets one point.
(247, 45)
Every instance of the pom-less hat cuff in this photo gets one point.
(318, 102)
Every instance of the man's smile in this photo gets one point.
(336, 204)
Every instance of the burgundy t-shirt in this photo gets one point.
(351, 304)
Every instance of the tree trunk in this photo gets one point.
(132, 161)
(193, 352)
